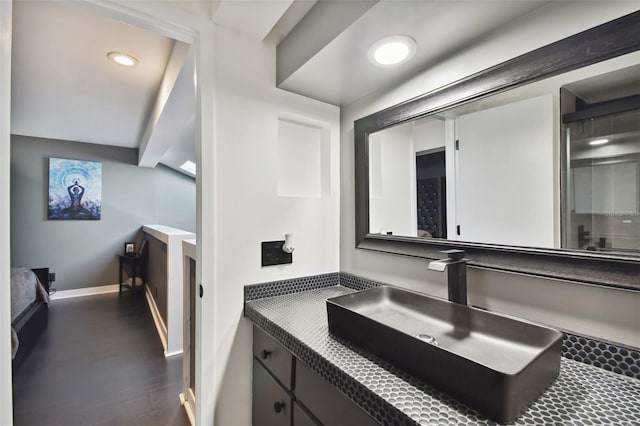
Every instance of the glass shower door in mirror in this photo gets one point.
(601, 121)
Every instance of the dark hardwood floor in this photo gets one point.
(99, 362)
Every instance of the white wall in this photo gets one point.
(248, 209)
(392, 197)
(428, 133)
(303, 153)
(600, 312)
(606, 189)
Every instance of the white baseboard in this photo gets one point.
(188, 407)
(87, 291)
(157, 318)
(170, 354)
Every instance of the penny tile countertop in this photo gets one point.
(581, 395)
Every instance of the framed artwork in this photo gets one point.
(130, 249)
(75, 189)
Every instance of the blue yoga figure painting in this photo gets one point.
(75, 189)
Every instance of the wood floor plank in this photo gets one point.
(99, 362)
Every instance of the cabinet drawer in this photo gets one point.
(301, 418)
(276, 358)
(327, 403)
(272, 405)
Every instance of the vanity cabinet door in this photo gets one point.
(276, 358)
(326, 403)
(301, 418)
(272, 405)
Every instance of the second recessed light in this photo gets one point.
(122, 59)
(392, 50)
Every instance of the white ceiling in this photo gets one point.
(341, 72)
(612, 85)
(255, 17)
(64, 87)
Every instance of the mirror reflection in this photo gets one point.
(601, 127)
(553, 164)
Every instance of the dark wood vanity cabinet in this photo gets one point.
(287, 393)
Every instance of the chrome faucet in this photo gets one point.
(456, 267)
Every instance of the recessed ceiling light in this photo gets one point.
(122, 59)
(189, 166)
(598, 141)
(392, 50)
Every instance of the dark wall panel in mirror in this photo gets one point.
(511, 159)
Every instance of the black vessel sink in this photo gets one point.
(495, 364)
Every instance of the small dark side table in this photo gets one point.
(135, 266)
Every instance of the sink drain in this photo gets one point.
(427, 338)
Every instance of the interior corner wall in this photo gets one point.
(601, 312)
(83, 253)
(249, 210)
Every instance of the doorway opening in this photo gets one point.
(183, 32)
(431, 193)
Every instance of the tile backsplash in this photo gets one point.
(613, 357)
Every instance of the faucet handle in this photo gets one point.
(454, 254)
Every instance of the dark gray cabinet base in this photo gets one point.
(287, 392)
(271, 403)
(301, 417)
(328, 404)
